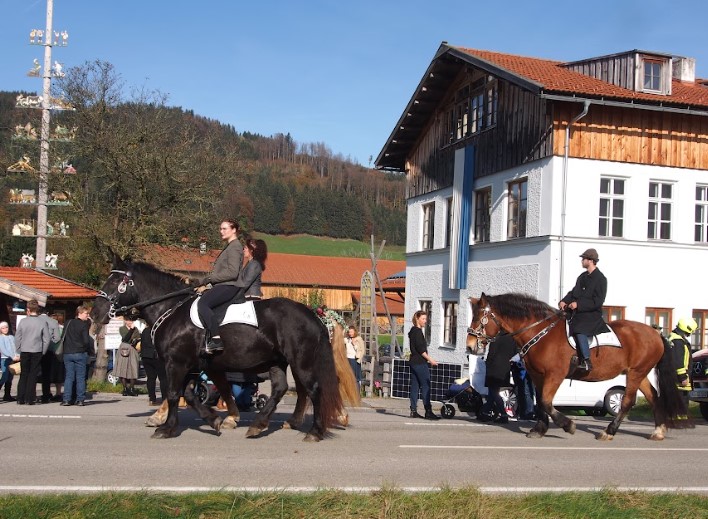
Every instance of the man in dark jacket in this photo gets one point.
(586, 300)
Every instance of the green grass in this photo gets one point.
(323, 246)
(384, 503)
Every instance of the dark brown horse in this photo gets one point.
(539, 331)
(289, 335)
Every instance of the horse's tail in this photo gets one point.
(670, 403)
(348, 388)
(331, 404)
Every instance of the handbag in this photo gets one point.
(124, 349)
(59, 350)
(15, 368)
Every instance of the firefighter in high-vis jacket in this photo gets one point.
(681, 351)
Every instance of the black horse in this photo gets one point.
(288, 334)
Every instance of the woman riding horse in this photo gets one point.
(288, 334)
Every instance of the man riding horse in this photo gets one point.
(586, 300)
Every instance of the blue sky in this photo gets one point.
(336, 72)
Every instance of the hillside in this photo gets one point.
(149, 173)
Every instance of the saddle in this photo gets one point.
(603, 339)
(241, 312)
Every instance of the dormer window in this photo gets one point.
(652, 75)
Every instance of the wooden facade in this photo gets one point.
(523, 133)
(534, 102)
(335, 298)
(633, 135)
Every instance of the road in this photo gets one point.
(105, 445)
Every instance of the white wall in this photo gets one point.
(641, 273)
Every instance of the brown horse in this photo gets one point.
(539, 331)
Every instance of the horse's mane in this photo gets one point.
(165, 280)
(519, 306)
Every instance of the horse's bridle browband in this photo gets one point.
(481, 333)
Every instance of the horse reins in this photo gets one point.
(481, 333)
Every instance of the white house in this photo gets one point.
(516, 165)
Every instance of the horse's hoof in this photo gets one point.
(151, 422)
(603, 436)
(287, 425)
(657, 437)
(161, 434)
(253, 432)
(534, 434)
(217, 425)
(570, 427)
(309, 437)
(229, 423)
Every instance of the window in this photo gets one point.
(701, 228)
(699, 338)
(428, 226)
(659, 225)
(482, 214)
(516, 224)
(652, 75)
(612, 313)
(660, 317)
(448, 223)
(427, 307)
(450, 328)
(473, 110)
(611, 207)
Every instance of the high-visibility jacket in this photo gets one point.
(682, 359)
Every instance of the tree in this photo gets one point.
(140, 165)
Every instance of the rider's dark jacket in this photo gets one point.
(589, 293)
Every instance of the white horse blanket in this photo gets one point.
(243, 313)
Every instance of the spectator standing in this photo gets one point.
(8, 356)
(154, 367)
(52, 366)
(31, 342)
(420, 372)
(355, 352)
(78, 345)
(128, 359)
(525, 390)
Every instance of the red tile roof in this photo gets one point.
(554, 77)
(282, 269)
(44, 284)
(395, 301)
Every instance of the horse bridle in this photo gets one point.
(124, 284)
(481, 333)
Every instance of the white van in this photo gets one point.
(595, 398)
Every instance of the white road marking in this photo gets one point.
(424, 424)
(38, 489)
(13, 415)
(530, 448)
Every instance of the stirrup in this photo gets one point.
(214, 345)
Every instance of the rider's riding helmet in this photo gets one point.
(687, 325)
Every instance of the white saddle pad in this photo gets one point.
(244, 313)
(604, 339)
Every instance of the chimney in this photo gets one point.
(684, 69)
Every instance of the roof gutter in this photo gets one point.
(583, 113)
(624, 104)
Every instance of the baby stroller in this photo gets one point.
(462, 393)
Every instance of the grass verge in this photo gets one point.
(384, 503)
(323, 246)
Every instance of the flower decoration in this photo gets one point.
(329, 318)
